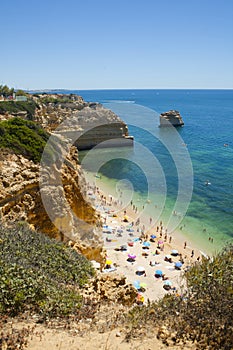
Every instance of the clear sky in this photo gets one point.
(102, 44)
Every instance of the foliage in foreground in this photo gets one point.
(23, 137)
(203, 314)
(39, 275)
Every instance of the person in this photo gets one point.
(192, 253)
(185, 245)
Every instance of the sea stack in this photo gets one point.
(171, 118)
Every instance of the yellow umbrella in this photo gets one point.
(108, 262)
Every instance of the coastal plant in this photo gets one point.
(19, 106)
(39, 275)
(23, 137)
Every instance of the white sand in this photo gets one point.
(112, 216)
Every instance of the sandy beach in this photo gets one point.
(137, 247)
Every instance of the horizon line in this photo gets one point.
(135, 89)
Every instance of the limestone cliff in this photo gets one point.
(20, 200)
(58, 205)
(87, 124)
(171, 118)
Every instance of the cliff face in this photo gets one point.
(20, 200)
(87, 124)
(24, 198)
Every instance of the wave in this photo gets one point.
(119, 101)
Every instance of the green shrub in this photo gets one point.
(23, 137)
(39, 274)
(19, 106)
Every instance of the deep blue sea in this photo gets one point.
(165, 165)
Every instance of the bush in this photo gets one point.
(19, 106)
(39, 274)
(23, 137)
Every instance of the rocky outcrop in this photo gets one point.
(87, 124)
(171, 118)
(112, 288)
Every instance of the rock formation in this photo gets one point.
(85, 123)
(20, 200)
(52, 199)
(111, 288)
(171, 118)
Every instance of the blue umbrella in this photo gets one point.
(146, 244)
(158, 272)
(178, 264)
(152, 236)
(137, 284)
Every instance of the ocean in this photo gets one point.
(182, 176)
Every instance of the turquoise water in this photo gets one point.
(152, 167)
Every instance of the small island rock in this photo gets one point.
(171, 118)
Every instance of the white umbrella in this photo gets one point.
(140, 269)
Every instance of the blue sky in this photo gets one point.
(102, 44)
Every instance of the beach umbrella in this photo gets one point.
(130, 229)
(95, 264)
(123, 247)
(158, 273)
(168, 256)
(119, 230)
(132, 256)
(140, 298)
(141, 269)
(107, 229)
(174, 252)
(178, 264)
(108, 262)
(153, 236)
(136, 284)
(160, 242)
(167, 283)
(146, 244)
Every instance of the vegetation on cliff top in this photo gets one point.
(39, 275)
(23, 137)
(19, 106)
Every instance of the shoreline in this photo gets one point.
(123, 227)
